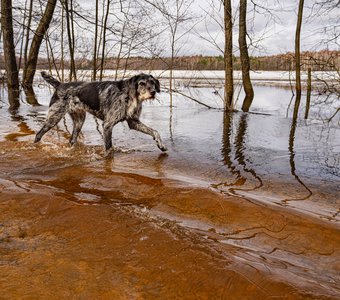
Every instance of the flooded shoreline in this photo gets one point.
(242, 206)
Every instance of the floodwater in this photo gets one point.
(242, 206)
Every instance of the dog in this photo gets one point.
(110, 101)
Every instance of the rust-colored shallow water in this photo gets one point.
(221, 216)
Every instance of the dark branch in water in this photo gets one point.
(191, 98)
(331, 118)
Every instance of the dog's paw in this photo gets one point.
(162, 147)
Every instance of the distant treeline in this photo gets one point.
(318, 61)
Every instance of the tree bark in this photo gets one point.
(228, 56)
(69, 26)
(297, 60)
(104, 41)
(94, 70)
(9, 53)
(28, 28)
(62, 66)
(31, 64)
(244, 57)
(309, 90)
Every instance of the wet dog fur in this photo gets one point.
(110, 101)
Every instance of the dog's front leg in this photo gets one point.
(139, 126)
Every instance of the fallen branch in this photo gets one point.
(191, 98)
(330, 119)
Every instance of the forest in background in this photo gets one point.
(325, 60)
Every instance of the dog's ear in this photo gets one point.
(157, 85)
(133, 86)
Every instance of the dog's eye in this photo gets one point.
(142, 83)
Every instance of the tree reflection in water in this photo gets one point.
(238, 146)
(292, 162)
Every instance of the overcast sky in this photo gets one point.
(275, 33)
(271, 28)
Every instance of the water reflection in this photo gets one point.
(24, 130)
(238, 146)
(292, 162)
(236, 149)
(227, 147)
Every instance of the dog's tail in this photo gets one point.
(49, 79)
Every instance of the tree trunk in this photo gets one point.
(69, 26)
(297, 59)
(28, 28)
(228, 56)
(73, 40)
(248, 88)
(23, 37)
(171, 73)
(62, 66)
(9, 53)
(309, 90)
(104, 40)
(94, 70)
(31, 64)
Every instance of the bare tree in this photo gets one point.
(309, 90)
(28, 28)
(297, 59)
(94, 72)
(175, 13)
(68, 7)
(31, 64)
(9, 54)
(228, 56)
(248, 88)
(104, 39)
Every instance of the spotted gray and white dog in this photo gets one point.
(110, 101)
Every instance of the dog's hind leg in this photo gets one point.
(78, 118)
(55, 113)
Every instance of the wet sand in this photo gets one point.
(73, 227)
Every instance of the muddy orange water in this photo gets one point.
(242, 206)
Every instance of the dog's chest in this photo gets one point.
(132, 108)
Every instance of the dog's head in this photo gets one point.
(144, 87)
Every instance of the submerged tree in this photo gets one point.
(9, 55)
(228, 56)
(245, 64)
(298, 60)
